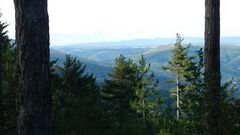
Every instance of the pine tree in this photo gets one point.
(2, 36)
(76, 100)
(146, 101)
(7, 84)
(188, 69)
(193, 96)
(118, 91)
(3, 40)
(180, 65)
(9, 88)
(230, 104)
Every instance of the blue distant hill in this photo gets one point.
(99, 57)
(142, 43)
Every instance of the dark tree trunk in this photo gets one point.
(212, 65)
(33, 71)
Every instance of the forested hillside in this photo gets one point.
(130, 100)
(135, 87)
(101, 60)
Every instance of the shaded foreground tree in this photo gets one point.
(3, 40)
(212, 65)
(33, 72)
(146, 101)
(7, 83)
(75, 99)
(117, 92)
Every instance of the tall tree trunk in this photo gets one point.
(212, 65)
(178, 97)
(33, 71)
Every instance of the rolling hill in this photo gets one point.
(100, 60)
(100, 71)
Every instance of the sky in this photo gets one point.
(78, 21)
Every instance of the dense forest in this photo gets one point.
(41, 97)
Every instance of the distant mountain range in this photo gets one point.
(100, 58)
(142, 43)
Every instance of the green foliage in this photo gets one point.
(7, 83)
(182, 66)
(193, 97)
(230, 104)
(119, 89)
(9, 88)
(180, 62)
(129, 99)
(3, 32)
(76, 101)
(188, 70)
(128, 102)
(117, 92)
(146, 102)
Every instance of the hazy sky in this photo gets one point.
(110, 20)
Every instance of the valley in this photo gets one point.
(100, 59)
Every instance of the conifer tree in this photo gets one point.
(193, 96)
(179, 65)
(188, 70)
(118, 90)
(76, 99)
(3, 40)
(146, 101)
(9, 88)
(7, 83)
(230, 108)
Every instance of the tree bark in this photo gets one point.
(33, 68)
(212, 65)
